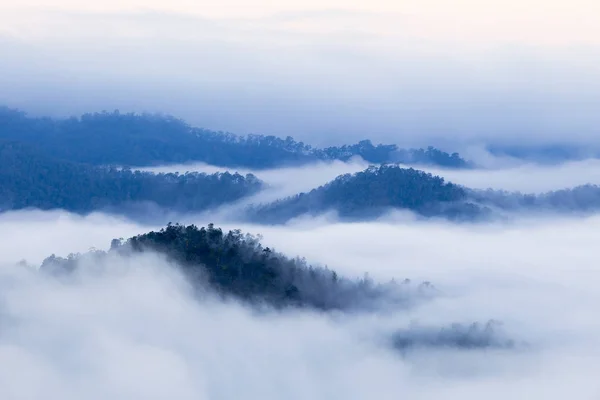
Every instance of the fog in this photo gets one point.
(131, 328)
(323, 76)
(526, 177)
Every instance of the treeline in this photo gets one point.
(236, 265)
(149, 139)
(382, 154)
(31, 179)
(371, 193)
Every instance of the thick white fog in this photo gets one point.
(131, 329)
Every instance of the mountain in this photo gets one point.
(371, 193)
(33, 179)
(236, 265)
(148, 139)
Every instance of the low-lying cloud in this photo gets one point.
(134, 329)
(526, 177)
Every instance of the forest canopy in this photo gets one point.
(235, 264)
(31, 179)
(371, 193)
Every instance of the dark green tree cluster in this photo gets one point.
(379, 154)
(30, 179)
(430, 156)
(149, 139)
(236, 265)
(372, 192)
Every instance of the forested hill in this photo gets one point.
(237, 265)
(372, 192)
(33, 179)
(144, 140)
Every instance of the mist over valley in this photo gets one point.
(299, 200)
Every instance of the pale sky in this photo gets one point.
(543, 22)
(383, 69)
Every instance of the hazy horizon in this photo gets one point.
(325, 72)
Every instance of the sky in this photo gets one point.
(430, 72)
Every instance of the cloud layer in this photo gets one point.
(132, 329)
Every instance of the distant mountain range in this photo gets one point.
(147, 140)
(33, 179)
(82, 165)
